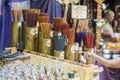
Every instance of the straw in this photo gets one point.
(16, 15)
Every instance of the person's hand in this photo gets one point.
(87, 55)
(115, 23)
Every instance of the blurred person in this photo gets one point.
(117, 8)
(110, 25)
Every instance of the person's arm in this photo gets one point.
(114, 63)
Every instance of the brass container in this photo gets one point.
(14, 34)
(70, 52)
(59, 54)
(77, 56)
(30, 38)
(91, 60)
(45, 46)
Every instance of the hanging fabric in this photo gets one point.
(52, 7)
(63, 7)
(5, 24)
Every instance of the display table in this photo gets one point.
(82, 71)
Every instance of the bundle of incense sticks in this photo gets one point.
(65, 32)
(16, 15)
(43, 19)
(45, 30)
(89, 39)
(59, 42)
(37, 11)
(79, 37)
(31, 19)
(57, 22)
(43, 14)
(64, 26)
(71, 36)
(25, 11)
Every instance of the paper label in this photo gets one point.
(83, 59)
(62, 55)
(51, 34)
(73, 49)
(59, 34)
(19, 24)
(36, 30)
(48, 42)
(32, 31)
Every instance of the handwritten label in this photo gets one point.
(79, 12)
